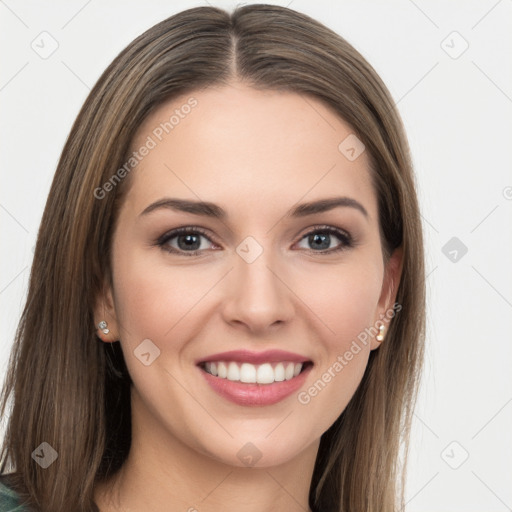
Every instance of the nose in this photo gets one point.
(257, 297)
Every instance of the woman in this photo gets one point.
(226, 305)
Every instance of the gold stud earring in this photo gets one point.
(380, 336)
(103, 326)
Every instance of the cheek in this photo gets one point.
(152, 298)
(345, 299)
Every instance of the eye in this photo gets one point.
(321, 238)
(186, 241)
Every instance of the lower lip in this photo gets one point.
(255, 394)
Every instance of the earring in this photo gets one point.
(380, 336)
(103, 326)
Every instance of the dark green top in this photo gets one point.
(9, 500)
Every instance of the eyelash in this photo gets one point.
(346, 239)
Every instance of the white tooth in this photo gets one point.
(233, 371)
(289, 369)
(279, 372)
(265, 374)
(247, 373)
(222, 370)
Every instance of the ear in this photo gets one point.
(385, 310)
(104, 311)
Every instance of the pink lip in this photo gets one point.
(255, 394)
(246, 356)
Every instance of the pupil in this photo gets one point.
(190, 242)
(320, 241)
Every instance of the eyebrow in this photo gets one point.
(208, 209)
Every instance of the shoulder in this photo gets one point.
(9, 501)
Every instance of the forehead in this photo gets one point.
(236, 144)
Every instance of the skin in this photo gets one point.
(256, 154)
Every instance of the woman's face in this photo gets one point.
(263, 269)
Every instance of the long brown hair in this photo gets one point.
(73, 392)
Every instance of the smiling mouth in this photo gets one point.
(266, 373)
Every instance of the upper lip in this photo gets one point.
(247, 356)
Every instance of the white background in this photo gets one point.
(457, 113)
